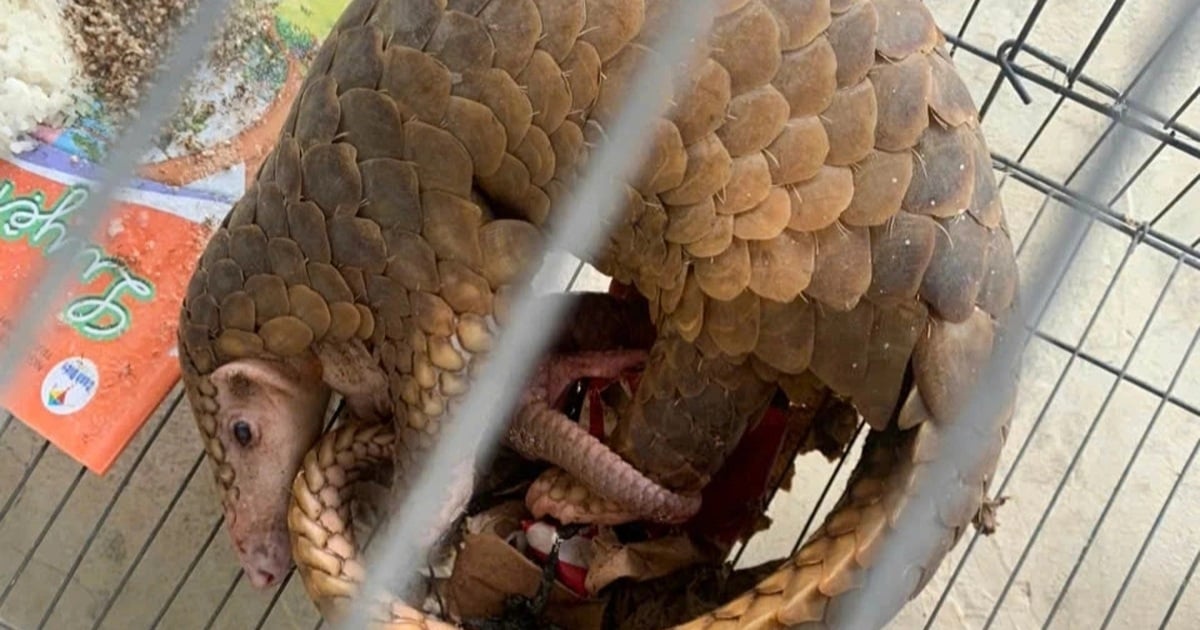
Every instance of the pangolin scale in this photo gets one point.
(818, 205)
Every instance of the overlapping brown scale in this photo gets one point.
(567, 143)
(287, 261)
(894, 334)
(326, 281)
(949, 97)
(318, 113)
(270, 212)
(985, 195)
(432, 314)
(908, 29)
(306, 223)
(949, 359)
(269, 293)
(717, 240)
(666, 163)
(702, 101)
(442, 161)
(412, 261)
(344, 321)
(509, 248)
(408, 22)
(238, 344)
(205, 312)
(690, 223)
(842, 266)
(358, 58)
(500, 93)
(749, 184)
(619, 75)
(800, 21)
(900, 253)
(198, 347)
(237, 312)
(357, 242)
(389, 298)
(461, 42)
(850, 123)
(943, 174)
(799, 151)
(581, 70)
(286, 336)
(746, 43)
(479, 131)
(767, 220)
(852, 36)
(451, 226)
(463, 289)
(785, 334)
(880, 183)
(902, 92)
(310, 307)
(782, 267)
(841, 346)
(331, 177)
(610, 24)
(245, 209)
(248, 248)
(561, 21)
(548, 94)
(817, 203)
(391, 194)
(514, 26)
(733, 324)
(355, 14)
(287, 167)
(418, 83)
(538, 155)
(807, 78)
(708, 168)
(688, 317)
(725, 275)
(224, 277)
(755, 118)
(956, 272)
(1000, 280)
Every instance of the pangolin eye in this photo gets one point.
(242, 433)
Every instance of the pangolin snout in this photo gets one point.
(264, 563)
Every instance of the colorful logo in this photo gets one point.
(69, 386)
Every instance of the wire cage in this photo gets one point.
(1098, 525)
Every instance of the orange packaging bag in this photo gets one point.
(105, 356)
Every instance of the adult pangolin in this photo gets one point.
(817, 205)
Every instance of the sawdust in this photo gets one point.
(123, 44)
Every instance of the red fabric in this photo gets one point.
(572, 575)
(733, 500)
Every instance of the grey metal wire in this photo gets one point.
(917, 531)
(161, 101)
(478, 422)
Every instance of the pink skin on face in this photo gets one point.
(270, 416)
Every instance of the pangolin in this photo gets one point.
(817, 204)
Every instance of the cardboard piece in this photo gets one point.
(488, 570)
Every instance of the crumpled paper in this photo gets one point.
(638, 561)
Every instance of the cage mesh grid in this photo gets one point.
(1082, 538)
